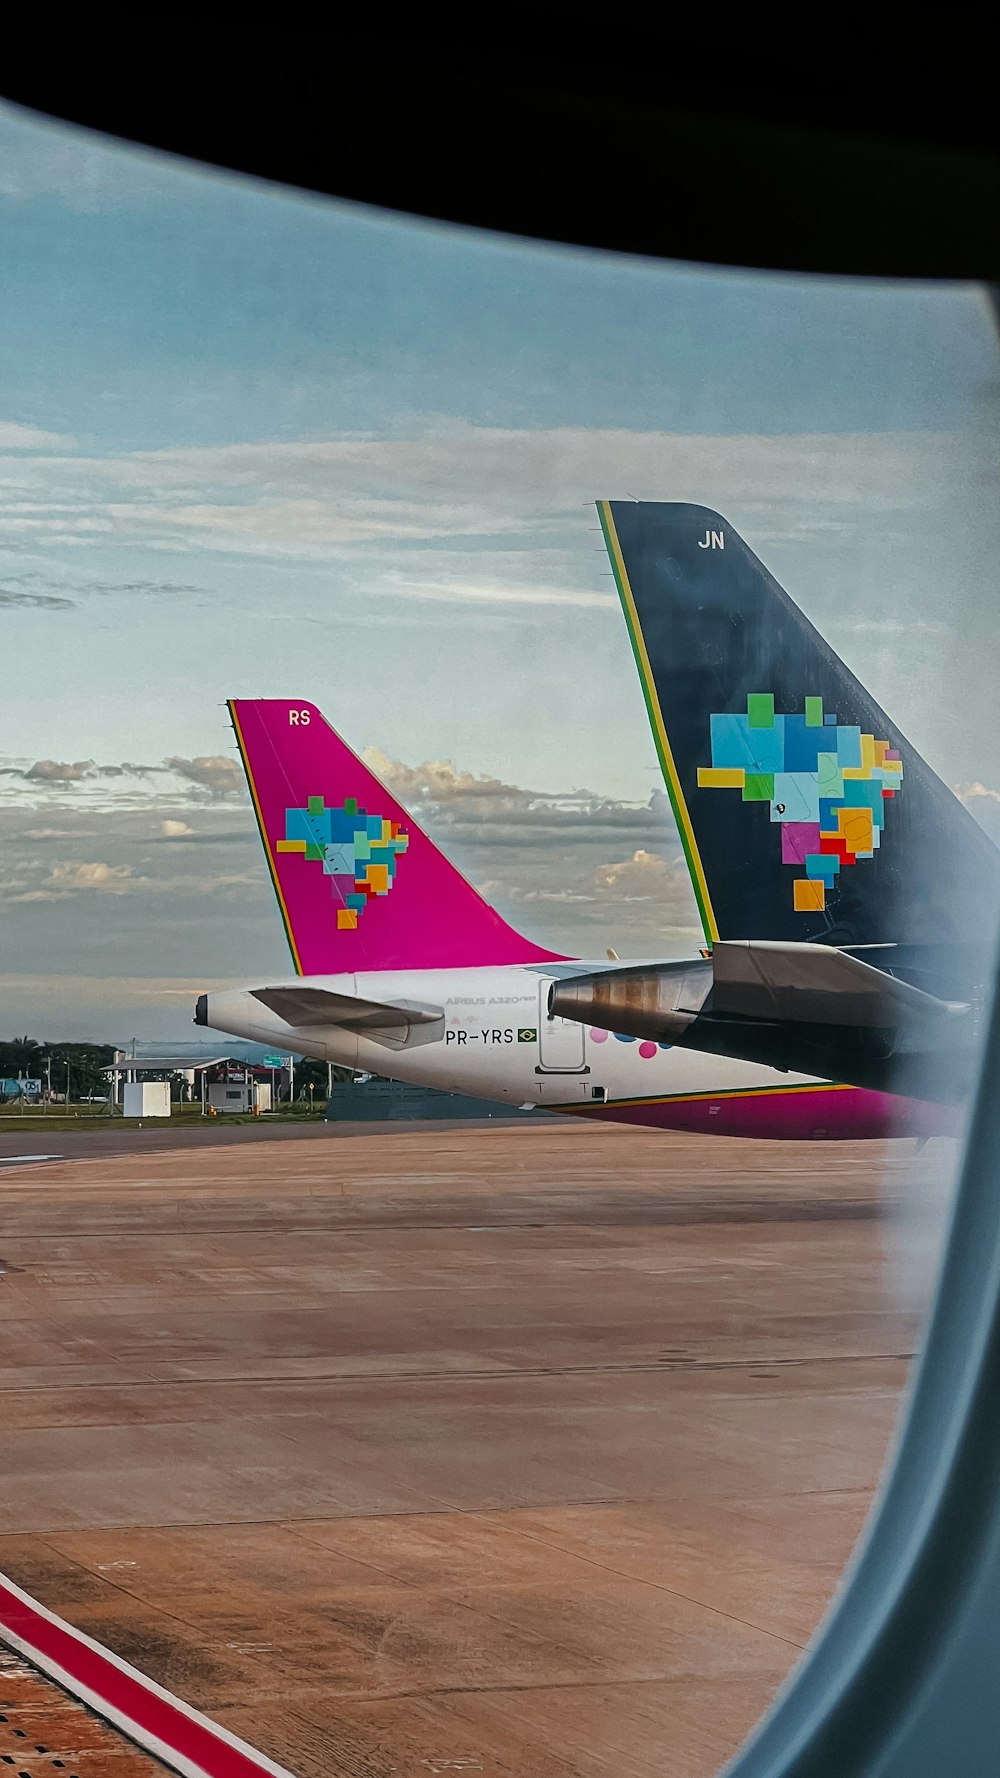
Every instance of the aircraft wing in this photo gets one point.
(385, 1021)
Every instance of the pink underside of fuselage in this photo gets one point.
(788, 1114)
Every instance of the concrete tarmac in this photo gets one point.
(531, 1451)
(117, 1138)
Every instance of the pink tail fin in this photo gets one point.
(359, 884)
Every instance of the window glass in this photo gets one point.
(502, 1392)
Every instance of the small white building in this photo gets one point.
(146, 1098)
(247, 1095)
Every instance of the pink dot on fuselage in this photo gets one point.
(647, 1049)
(599, 1036)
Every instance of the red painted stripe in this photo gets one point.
(127, 1694)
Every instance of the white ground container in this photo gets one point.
(146, 1098)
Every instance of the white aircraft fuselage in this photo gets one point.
(486, 1033)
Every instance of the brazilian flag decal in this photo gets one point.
(527, 1034)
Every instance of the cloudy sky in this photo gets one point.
(253, 443)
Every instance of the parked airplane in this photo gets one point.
(850, 901)
(403, 969)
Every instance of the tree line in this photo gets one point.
(30, 1059)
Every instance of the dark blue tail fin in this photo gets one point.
(803, 812)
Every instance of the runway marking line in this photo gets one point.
(11, 1160)
(162, 1724)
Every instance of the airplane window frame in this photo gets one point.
(932, 1539)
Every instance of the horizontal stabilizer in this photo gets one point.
(385, 1021)
(817, 985)
(764, 982)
